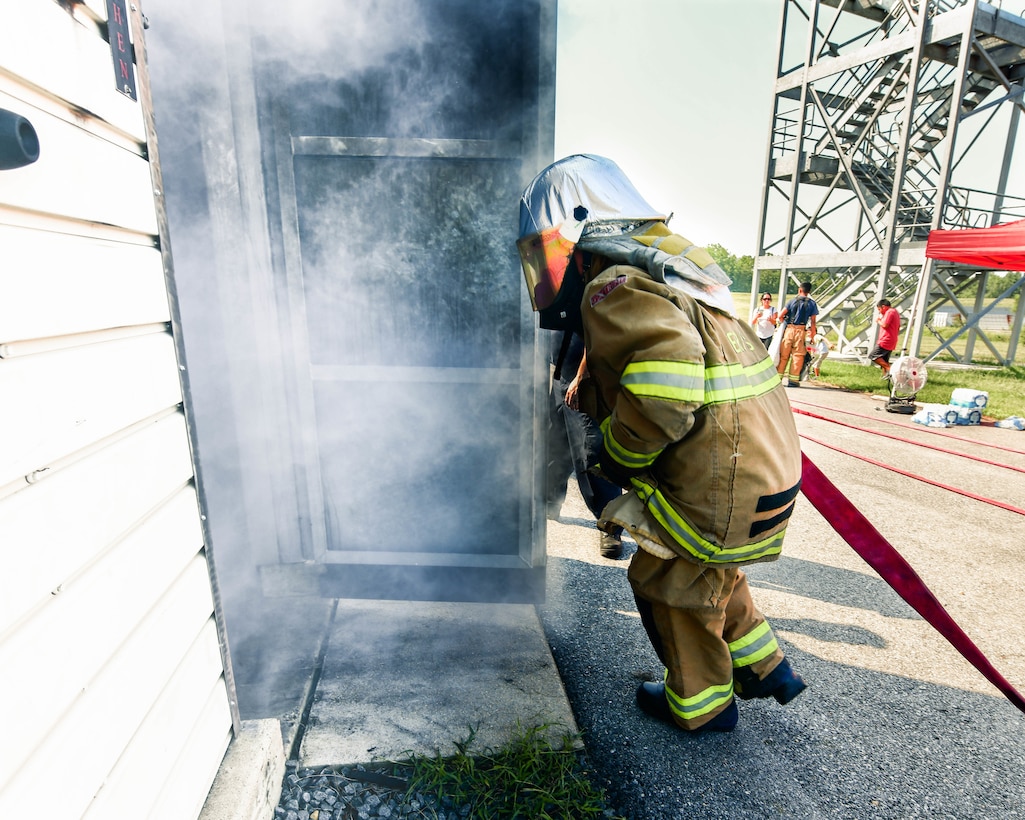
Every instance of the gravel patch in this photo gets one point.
(358, 793)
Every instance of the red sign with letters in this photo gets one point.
(121, 47)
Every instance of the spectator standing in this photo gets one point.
(889, 329)
(764, 319)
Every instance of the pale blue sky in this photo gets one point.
(679, 94)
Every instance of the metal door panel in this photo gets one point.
(396, 190)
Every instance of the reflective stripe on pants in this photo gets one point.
(693, 614)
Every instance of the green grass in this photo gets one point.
(1005, 386)
(528, 778)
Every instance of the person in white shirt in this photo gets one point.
(764, 319)
(821, 350)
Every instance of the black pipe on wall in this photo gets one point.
(19, 143)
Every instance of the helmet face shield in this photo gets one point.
(545, 256)
(579, 191)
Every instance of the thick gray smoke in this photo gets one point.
(341, 182)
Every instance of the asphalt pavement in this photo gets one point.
(895, 723)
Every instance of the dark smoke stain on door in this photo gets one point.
(395, 191)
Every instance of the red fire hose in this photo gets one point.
(891, 468)
(945, 433)
(866, 540)
(910, 441)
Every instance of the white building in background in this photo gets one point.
(116, 696)
(996, 320)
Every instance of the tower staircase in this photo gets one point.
(864, 150)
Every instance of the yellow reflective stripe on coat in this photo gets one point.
(756, 645)
(679, 381)
(736, 382)
(689, 382)
(628, 458)
(700, 704)
(708, 552)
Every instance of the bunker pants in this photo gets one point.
(792, 346)
(702, 624)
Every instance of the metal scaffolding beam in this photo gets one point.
(892, 118)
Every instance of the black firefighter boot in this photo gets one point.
(651, 697)
(782, 683)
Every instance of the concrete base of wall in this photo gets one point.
(248, 783)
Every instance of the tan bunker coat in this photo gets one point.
(696, 415)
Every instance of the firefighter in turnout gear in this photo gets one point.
(696, 426)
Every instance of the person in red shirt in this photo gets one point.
(889, 329)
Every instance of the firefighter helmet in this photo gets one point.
(580, 195)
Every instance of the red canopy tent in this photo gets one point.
(1001, 247)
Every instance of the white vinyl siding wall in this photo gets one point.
(113, 694)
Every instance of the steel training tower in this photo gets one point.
(892, 118)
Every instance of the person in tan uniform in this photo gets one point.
(695, 426)
(799, 319)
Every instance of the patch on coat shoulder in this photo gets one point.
(605, 291)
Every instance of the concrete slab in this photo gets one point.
(402, 676)
(274, 650)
